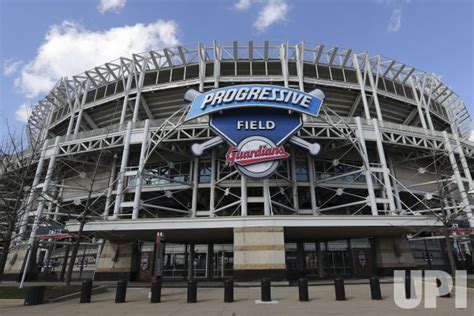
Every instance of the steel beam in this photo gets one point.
(123, 167)
(141, 169)
(466, 205)
(368, 175)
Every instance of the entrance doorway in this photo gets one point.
(223, 263)
(327, 259)
(209, 261)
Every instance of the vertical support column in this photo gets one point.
(126, 91)
(312, 184)
(141, 168)
(217, 63)
(81, 107)
(212, 189)
(73, 112)
(259, 252)
(210, 261)
(141, 77)
(299, 50)
(53, 196)
(396, 191)
(39, 210)
(65, 84)
(418, 103)
(374, 87)
(361, 81)
(195, 187)
(45, 130)
(31, 196)
(300, 259)
(320, 260)
(267, 200)
(108, 199)
(368, 175)
(426, 104)
(57, 208)
(383, 162)
(284, 62)
(47, 181)
(202, 65)
(243, 195)
(294, 180)
(457, 176)
(462, 158)
(191, 262)
(123, 166)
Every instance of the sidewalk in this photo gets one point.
(210, 302)
(205, 283)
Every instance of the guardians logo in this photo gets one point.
(256, 120)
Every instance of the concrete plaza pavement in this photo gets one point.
(210, 302)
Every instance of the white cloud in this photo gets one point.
(395, 21)
(23, 113)
(471, 137)
(111, 6)
(272, 12)
(69, 49)
(242, 5)
(10, 66)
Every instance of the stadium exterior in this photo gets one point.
(116, 139)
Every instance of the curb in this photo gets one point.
(96, 290)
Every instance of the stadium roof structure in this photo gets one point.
(66, 91)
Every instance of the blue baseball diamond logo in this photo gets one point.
(256, 120)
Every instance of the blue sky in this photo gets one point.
(42, 40)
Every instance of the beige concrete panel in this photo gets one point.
(121, 252)
(258, 229)
(77, 186)
(255, 238)
(259, 257)
(15, 259)
(394, 252)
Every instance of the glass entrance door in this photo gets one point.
(223, 263)
(337, 258)
(200, 261)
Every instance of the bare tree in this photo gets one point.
(440, 210)
(90, 207)
(17, 170)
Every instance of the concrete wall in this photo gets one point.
(115, 261)
(259, 252)
(409, 175)
(393, 253)
(79, 187)
(15, 261)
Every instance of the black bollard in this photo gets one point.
(86, 291)
(408, 284)
(228, 291)
(121, 291)
(34, 295)
(155, 292)
(192, 291)
(340, 292)
(303, 290)
(266, 290)
(438, 283)
(375, 288)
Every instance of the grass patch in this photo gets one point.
(51, 291)
(470, 283)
